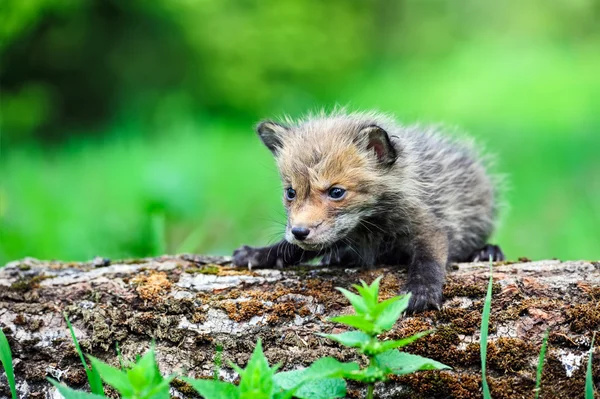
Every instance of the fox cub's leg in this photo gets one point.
(281, 254)
(426, 271)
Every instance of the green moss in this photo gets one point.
(28, 283)
(208, 269)
(436, 384)
(510, 354)
(472, 290)
(583, 317)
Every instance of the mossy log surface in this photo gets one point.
(190, 304)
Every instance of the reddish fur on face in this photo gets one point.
(313, 175)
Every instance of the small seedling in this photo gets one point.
(485, 321)
(540, 368)
(142, 381)
(260, 381)
(371, 319)
(6, 359)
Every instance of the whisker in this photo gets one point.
(374, 225)
(350, 246)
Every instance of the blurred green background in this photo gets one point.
(127, 125)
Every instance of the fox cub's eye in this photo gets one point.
(290, 193)
(336, 193)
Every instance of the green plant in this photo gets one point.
(485, 321)
(218, 361)
(92, 374)
(260, 381)
(589, 380)
(540, 368)
(371, 319)
(6, 359)
(142, 381)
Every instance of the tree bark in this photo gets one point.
(189, 305)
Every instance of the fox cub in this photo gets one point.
(361, 190)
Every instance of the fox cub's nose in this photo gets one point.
(300, 232)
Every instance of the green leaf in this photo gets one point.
(381, 306)
(288, 380)
(161, 390)
(369, 375)
(6, 359)
(92, 373)
(69, 393)
(113, 377)
(352, 339)
(356, 321)
(369, 292)
(326, 388)
(320, 380)
(387, 345)
(142, 381)
(211, 389)
(400, 363)
(145, 372)
(589, 380)
(391, 313)
(257, 378)
(359, 304)
(326, 367)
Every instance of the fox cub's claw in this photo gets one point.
(483, 254)
(424, 297)
(247, 256)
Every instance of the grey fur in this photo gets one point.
(434, 201)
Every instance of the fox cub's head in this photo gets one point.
(334, 172)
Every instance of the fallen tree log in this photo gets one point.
(189, 305)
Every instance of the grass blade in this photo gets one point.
(485, 321)
(92, 373)
(540, 367)
(119, 356)
(6, 359)
(589, 381)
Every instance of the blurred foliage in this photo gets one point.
(79, 65)
(126, 126)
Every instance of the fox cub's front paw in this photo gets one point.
(247, 256)
(423, 297)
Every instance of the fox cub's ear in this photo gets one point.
(271, 134)
(378, 141)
